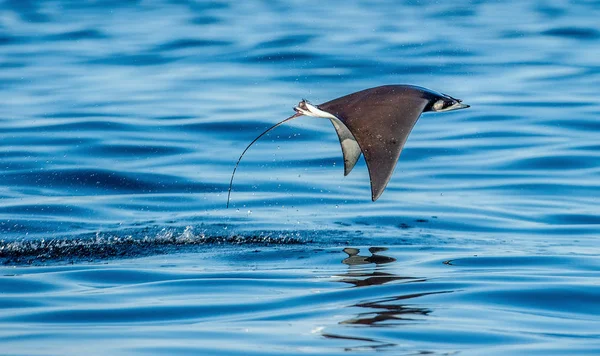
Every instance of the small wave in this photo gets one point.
(579, 33)
(191, 43)
(86, 34)
(287, 41)
(79, 180)
(135, 60)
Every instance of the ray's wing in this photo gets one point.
(380, 119)
(350, 148)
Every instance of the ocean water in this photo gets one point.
(121, 122)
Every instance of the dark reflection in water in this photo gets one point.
(383, 309)
(358, 277)
(355, 259)
(388, 311)
(377, 345)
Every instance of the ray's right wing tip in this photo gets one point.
(376, 195)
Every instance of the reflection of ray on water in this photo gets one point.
(355, 259)
(372, 278)
(362, 278)
(375, 345)
(389, 311)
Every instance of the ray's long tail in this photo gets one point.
(251, 143)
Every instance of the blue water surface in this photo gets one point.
(121, 122)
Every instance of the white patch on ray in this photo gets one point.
(350, 148)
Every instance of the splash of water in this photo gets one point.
(138, 244)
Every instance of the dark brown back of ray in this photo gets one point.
(380, 119)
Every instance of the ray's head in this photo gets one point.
(308, 109)
(304, 108)
(443, 102)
